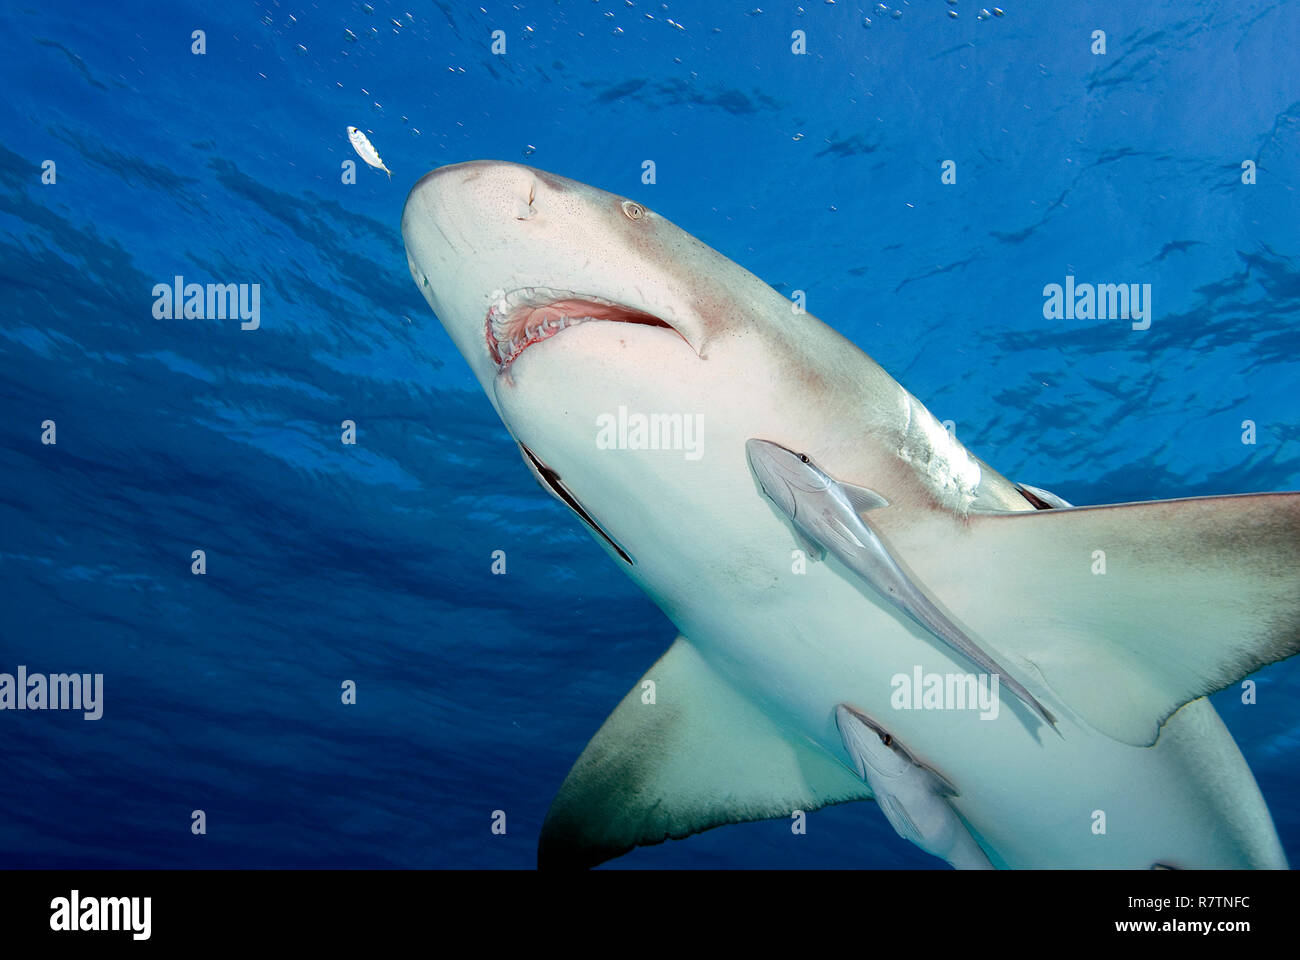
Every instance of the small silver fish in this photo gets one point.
(829, 512)
(366, 150)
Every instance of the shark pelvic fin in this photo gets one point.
(699, 756)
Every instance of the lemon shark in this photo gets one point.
(571, 304)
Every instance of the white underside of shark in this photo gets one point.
(1196, 594)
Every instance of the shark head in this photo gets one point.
(510, 257)
(577, 308)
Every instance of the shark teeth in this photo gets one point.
(509, 346)
(529, 315)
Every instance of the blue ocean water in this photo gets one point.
(819, 172)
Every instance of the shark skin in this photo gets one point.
(569, 302)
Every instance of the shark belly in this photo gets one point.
(800, 643)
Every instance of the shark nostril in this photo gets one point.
(530, 211)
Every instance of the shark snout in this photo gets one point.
(480, 191)
(471, 170)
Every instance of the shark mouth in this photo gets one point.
(552, 480)
(530, 315)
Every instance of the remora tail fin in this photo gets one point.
(701, 756)
(1195, 595)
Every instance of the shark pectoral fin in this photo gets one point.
(1132, 610)
(862, 499)
(699, 756)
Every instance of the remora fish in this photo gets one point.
(829, 512)
(913, 797)
(607, 304)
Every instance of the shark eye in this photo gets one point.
(633, 210)
(886, 739)
(803, 457)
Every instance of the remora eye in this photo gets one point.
(886, 739)
(803, 457)
(633, 210)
